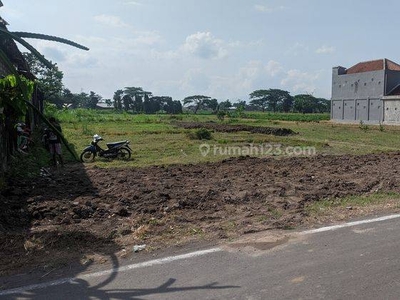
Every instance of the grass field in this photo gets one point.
(156, 140)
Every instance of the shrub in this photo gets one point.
(200, 134)
(221, 115)
(363, 126)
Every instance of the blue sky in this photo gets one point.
(224, 49)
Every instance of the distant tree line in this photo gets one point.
(137, 100)
(272, 100)
(276, 100)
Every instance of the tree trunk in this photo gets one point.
(3, 147)
(8, 138)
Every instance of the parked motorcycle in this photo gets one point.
(119, 150)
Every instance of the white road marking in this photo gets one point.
(350, 224)
(150, 263)
(169, 259)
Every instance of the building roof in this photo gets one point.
(373, 65)
(8, 46)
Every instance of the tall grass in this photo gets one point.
(295, 117)
(96, 116)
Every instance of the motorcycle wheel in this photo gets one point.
(87, 156)
(123, 154)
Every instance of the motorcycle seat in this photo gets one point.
(111, 145)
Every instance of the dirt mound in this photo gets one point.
(235, 128)
(174, 204)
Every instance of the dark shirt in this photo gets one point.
(53, 137)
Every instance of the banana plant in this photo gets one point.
(19, 100)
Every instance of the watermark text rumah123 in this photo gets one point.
(256, 150)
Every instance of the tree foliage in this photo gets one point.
(306, 103)
(225, 105)
(132, 99)
(118, 99)
(198, 101)
(272, 99)
(260, 99)
(14, 92)
(48, 80)
(281, 101)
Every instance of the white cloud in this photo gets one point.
(268, 9)
(110, 20)
(252, 72)
(257, 43)
(300, 82)
(135, 3)
(205, 45)
(273, 68)
(64, 56)
(297, 49)
(195, 81)
(91, 39)
(239, 84)
(138, 41)
(325, 50)
(253, 69)
(147, 37)
(227, 86)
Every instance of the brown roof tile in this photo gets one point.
(373, 65)
(392, 65)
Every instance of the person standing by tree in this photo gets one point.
(55, 142)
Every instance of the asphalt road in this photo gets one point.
(355, 262)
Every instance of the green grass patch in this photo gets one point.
(293, 117)
(328, 205)
(156, 140)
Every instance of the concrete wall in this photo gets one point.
(358, 86)
(392, 111)
(370, 110)
(375, 109)
(349, 109)
(336, 109)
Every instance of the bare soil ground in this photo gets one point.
(82, 211)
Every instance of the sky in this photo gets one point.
(224, 49)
